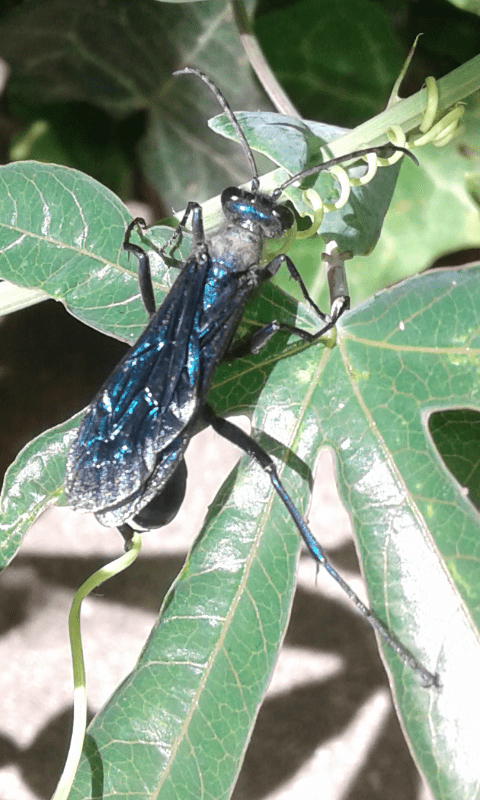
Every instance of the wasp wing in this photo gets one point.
(143, 407)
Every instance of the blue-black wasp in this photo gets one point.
(127, 461)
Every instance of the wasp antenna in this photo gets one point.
(231, 116)
(383, 151)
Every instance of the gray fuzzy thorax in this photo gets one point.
(235, 247)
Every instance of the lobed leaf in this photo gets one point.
(401, 356)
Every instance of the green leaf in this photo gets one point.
(342, 59)
(33, 483)
(184, 715)
(116, 74)
(406, 353)
(467, 5)
(119, 55)
(62, 232)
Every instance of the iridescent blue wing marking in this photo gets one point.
(144, 406)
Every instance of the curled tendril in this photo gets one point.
(62, 792)
(438, 134)
(372, 165)
(318, 207)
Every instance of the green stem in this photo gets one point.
(408, 113)
(259, 63)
